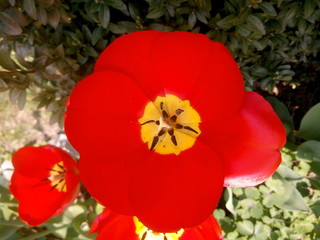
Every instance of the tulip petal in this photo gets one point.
(103, 113)
(249, 143)
(209, 229)
(130, 54)
(113, 226)
(194, 68)
(107, 176)
(187, 65)
(177, 191)
(37, 201)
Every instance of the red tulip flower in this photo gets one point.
(113, 226)
(164, 123)
(45, 181)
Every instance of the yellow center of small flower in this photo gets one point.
(57, 177)
(146, 234)
(169, 125)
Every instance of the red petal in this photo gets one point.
(188, 65)
(37, 203)
(209, 229)
(107, 176)
(103, 113)
(130, 54)
(249, 143)
(35, 161)
(172, 192)
(198, 70)
(113, 226)
(29, 183)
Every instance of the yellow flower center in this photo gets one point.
(146, 234)
(169, 125)
(57, 177)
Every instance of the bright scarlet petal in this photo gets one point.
(113, 226)
(103, 113)
(107, 176)
(185, 64)
(198, 70)
(209, 229)
(37, 201)
(249, 143)
(177, 191)
(39, 198)
(130, 55)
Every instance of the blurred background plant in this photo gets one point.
(47, 46)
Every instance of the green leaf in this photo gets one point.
(227, 22)
(310, 127)
(260, 72)
(282, 112)
(9, 25)
(7, 231)
(256, 24)
(292, 199)
(245, 227)
(3, 85)
(116, 28)
(104, 16)
(192, 19)
(309, 7)
(30, 7)
(42, 15)
(96, 35)
(38, 235)
(268, 8)
(117, 4)
(309, 150)
(156, 13)
(287, 173)
(54, 17)
(6, 61)
(229, 203)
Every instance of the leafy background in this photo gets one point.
(47, 46)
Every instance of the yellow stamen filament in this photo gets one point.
(146, 234)
(169, 125)
(57, 177)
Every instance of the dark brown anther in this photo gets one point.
(173, 118)
(144, 235)
(162, 131)
(154, 142)
(165, 237)
(54, 186)
(174, 140)
(165, 114)
(179, 111)
(178, 126)
(150, 121)
(161, 105)
(171, 131)
(158, 122)
(190, 129)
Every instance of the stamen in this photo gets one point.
(165, 114)
(171, 131)
(173, 118)
(144, 235)
(165, 237)
(190, 129)
(54, 186)
(179, 111)
(174, 140)
(154, 142)
(150, 121)
(162, 131)
(179, 126)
